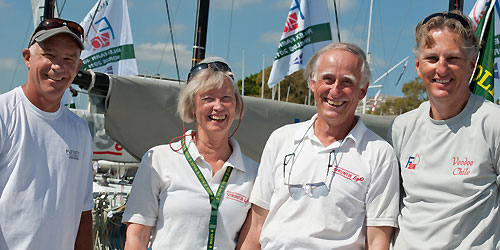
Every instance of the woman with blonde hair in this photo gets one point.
(193, 194)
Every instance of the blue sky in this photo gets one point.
(255, 31)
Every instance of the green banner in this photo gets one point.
(109, 56)
(482, 84)
(312, 34)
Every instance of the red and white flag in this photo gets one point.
(307, 29)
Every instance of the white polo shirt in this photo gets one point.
(167, 194)
(363, 190)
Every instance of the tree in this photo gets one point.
(415, 94)
(296, 81)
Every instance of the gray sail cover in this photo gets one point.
(142, 113)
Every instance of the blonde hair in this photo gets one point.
(205, 80)
(468, 39)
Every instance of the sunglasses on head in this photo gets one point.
(217, 66)
(52, 23)
(449, 15)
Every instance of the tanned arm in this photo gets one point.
(378, 238)
(250, 232)
(137, 236)
(84, 236)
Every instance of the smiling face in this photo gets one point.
(445, 69)
(215, 108)
(52, 66)
(337, 89)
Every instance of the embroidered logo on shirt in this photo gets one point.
(461, 166)
(348, 174)
(237, 197)
(413, 162)
(73, 154)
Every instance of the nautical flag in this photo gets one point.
(108, 39)
(375, 101)
(482, 83)
(307, 29)
(402, 72)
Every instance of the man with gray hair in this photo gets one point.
(448, 148)
(330, 182)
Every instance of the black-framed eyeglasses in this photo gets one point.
(217, 66)
(450, 15)
(52, 23)
(314, 189)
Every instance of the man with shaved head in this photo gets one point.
(330, 182)
(45, 149)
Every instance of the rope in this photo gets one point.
(336, 18)
(230, 29)
(173, 43)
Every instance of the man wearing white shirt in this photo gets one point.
(330, 182)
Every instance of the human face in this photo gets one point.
(337, 89)
(215, 108)
(52, 66)
(445, 69)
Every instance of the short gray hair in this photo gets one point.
(205, 80)
(312, 65)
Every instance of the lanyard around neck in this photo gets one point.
(214, 200)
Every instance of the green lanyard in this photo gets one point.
(214, 201)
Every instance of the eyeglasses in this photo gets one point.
(315, 189)
(52, 23)
(217, 66)
(450, 15)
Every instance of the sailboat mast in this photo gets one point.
(456, 5)
(49, 9)
(200, 34)
(368, 48)
(369, 32)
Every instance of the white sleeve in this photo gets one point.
(142, 205)
(88, 203)
(382, 199)
(262, 191)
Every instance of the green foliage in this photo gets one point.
(296, 81)
(415, 94)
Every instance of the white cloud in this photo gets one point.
(164, 30)
(8, 63)
(343, 5)
(350, 35)
(226, 4)
(156, 52)
(282, 4)
(3, 4)
(270, 37)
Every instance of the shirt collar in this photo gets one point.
(306, 131)
(235, 159)
(356, 133)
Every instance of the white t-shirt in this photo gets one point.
(45, 175)
(167, 194)
(450, 171)
(363, 190)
